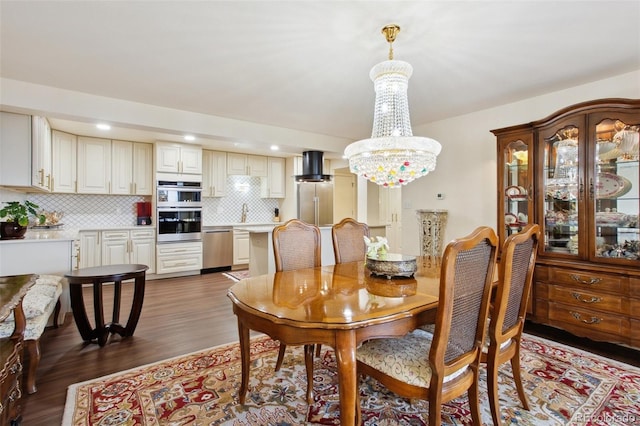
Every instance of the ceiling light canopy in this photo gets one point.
(392, 157)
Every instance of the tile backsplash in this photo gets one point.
(228, 209)
(91, 211)
(98, 211)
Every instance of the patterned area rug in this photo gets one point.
(565, 386)
(237, 275)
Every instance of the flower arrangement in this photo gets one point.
(377, 247)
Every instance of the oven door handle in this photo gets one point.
(179, 209)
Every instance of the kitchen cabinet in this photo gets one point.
(130, 247)
(179, 257)
(63, 162)
(143, 169)
(178, 158)
(94, 165)
(575, 173)
(117, 246)
(40, 153)
(390, 208)
(90, 251)
(15, 149)
(131, 168)
(241, 247)
(274, 184)
(246, 165)
(25, 151)
(214, 173)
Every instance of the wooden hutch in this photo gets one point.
(575, 173)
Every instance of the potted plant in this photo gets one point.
(17, 219)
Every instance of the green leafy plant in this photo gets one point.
(19, 213)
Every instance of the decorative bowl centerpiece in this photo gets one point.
(392, 265)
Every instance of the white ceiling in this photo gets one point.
(304, 65)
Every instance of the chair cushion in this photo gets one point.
(36, 323)
(405, 358)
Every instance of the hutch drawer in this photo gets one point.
(589, 321)
(583, 299)
(590, 280)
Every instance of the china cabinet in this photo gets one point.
(575, 173)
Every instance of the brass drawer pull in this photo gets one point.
(15, 394)
(588, 282)
(593, 320)
(593, 299)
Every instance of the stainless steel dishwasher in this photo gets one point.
(217, 248)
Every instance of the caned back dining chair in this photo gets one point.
(348, 240)
(515, 273)
(297, 245)
(441, 366)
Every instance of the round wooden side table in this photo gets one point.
(97, 276)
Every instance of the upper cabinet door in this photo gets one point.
(94, 165)
(41, 153)
(562, 194)
(142, 169)
(122, 167)
(191, 159)
(63, 162)
(613, 186)
(167, 157)
(236, 164)
(515, 177)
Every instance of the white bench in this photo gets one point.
(42, 299)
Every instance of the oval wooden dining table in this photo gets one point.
(341, 306)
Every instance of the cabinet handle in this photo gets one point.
(593, 299)
(581, 189)
(530, 193)
(593, 320)
(591, 189)
(15, 394)
(590, 281)
(50, 182)
(41, 173)
(15, 368)
(78, 260)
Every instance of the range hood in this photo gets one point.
(312, 168)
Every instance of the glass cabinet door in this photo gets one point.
(517, 204)
(563, 190)
(613, 188)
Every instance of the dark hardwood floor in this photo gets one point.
(179, 316)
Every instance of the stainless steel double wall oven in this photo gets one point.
(179, 210)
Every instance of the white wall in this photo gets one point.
(467, 173)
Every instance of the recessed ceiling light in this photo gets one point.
(189, 138)
(274, 147)
(103, 126)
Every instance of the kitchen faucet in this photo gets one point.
(245, 209)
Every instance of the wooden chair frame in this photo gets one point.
(345, 250)
(504, 344)
(283, 264)
(440, 391)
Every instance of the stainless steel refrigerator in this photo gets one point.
(315, 203)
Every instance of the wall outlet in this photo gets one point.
(440, 196)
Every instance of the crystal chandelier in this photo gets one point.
(392, 157)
